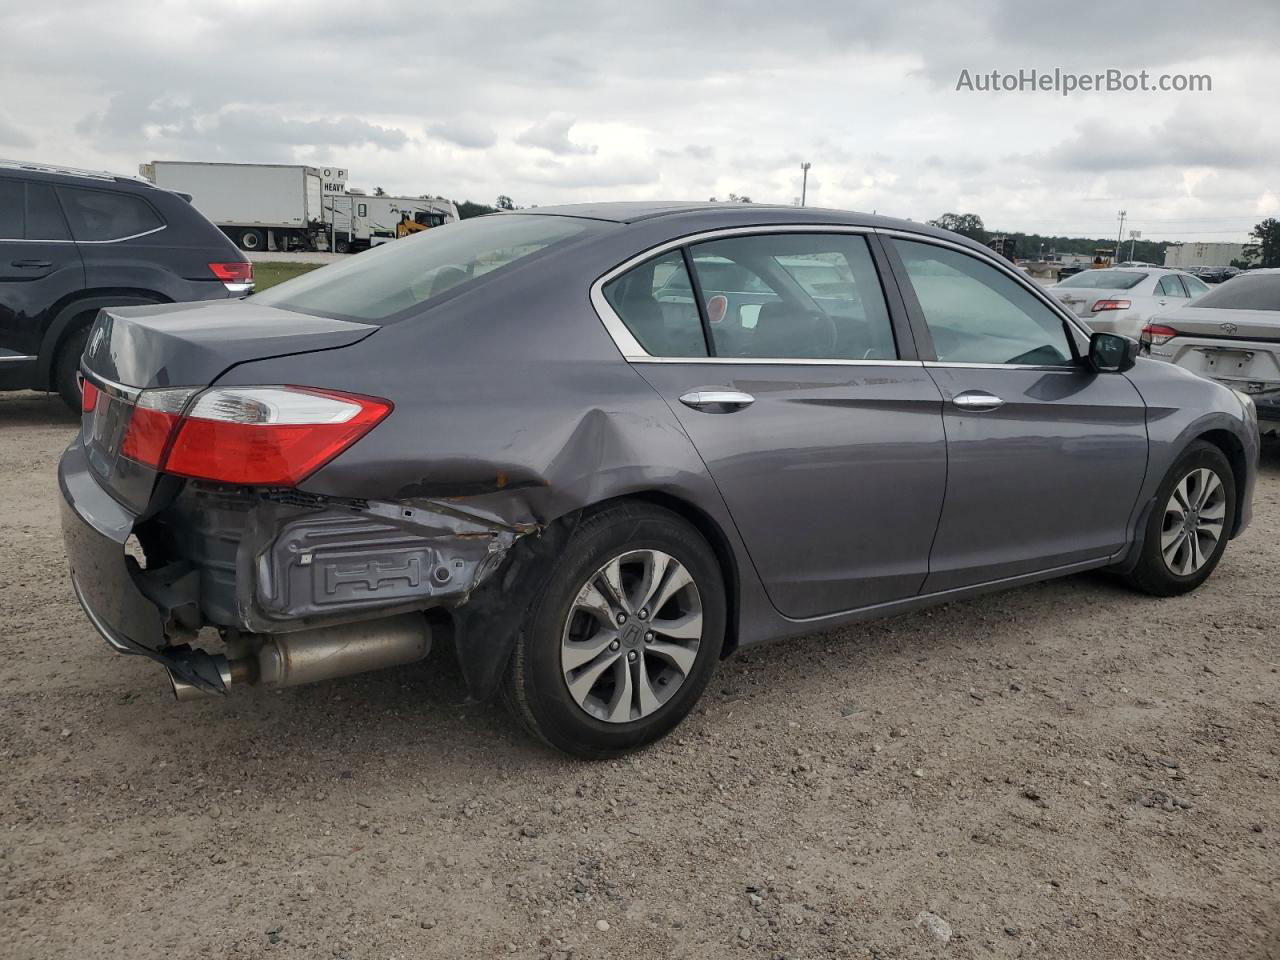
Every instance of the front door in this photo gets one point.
(780, 357)
(1045, 457)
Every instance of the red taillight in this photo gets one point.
(151, 424)
(1111, 305)
(1157, 334)
(236, 277)
(233, 272)
(88, 396)
(268, 436)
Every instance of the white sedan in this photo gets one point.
(1122, 300)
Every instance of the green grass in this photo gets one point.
(267, 275)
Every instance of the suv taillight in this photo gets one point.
(251, 436)
(236, 277)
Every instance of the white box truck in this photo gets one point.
(260, 206)
(361, 221)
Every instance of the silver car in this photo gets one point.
(1121, 300)
(1232, 335)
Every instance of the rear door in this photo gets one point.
(39, 266)
(1045, 458)
(820, 427)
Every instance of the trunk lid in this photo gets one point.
(1222, 323)
(1080, 300)
(188, 345)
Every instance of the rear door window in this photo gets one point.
(12, 210)
(44, 217)
(655, 302)
(101, 215)
(1170, 287)
(803, 296)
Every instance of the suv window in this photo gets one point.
(1169, 286)
(12, 210)
(655, 301)
(810, 296)
(44, 217)
(977, 314)
(103, 215)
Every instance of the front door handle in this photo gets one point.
(31, 264)
(722, 401)
(977, 400)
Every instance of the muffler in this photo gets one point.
(307, 656)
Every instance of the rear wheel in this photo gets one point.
(252, 240)
(66, 368)
(622, 642)
(1188, 529)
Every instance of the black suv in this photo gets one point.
(72, 242)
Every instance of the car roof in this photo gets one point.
(61, 174)
(634, 211)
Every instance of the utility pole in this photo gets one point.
(1119, 234)
(804, 183)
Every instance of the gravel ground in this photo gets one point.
(1067, 770)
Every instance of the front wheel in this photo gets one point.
(1190, 524)
(624, 638)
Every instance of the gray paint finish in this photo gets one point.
(846, 491)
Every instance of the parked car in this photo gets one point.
(1122, 300)
(515, 435)
(73, 242)
(1215, 274)
(1231, 335)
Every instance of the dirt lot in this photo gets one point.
(1067, 770)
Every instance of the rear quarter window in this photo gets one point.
(100, 215)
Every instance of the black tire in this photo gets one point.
(1153, 574)
(66, 368)
(252, 240)
(535, 687)
(341, 246)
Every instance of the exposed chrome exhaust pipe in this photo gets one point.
(290, 659)
(184, 691)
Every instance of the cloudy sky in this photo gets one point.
(566, 101)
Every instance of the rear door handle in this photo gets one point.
(31, 264)
(727, 400)
(977, 400)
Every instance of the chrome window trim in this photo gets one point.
(1045, 367)
(791, 361)
(1000, 264)
(15, 356)
(132, 236)
(630, 347)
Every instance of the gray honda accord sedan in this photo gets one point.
(595, 449)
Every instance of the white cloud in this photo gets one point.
(579, 99)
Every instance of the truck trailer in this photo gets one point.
(260, 206)
(360, 221)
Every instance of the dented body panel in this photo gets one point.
(515, 412)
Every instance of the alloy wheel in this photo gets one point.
(632, 636)
(1194, 520)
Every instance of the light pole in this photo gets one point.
(1134, 235)
(804, 183)
(1119, 234)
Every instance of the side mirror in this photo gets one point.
(1112, 353)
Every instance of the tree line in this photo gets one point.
(1262, 251)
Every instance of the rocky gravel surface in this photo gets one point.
(1066, 770)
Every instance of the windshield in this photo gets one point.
(1245, 292)
(390, 281)
(1105, 279)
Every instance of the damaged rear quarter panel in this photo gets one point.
(511, 404)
